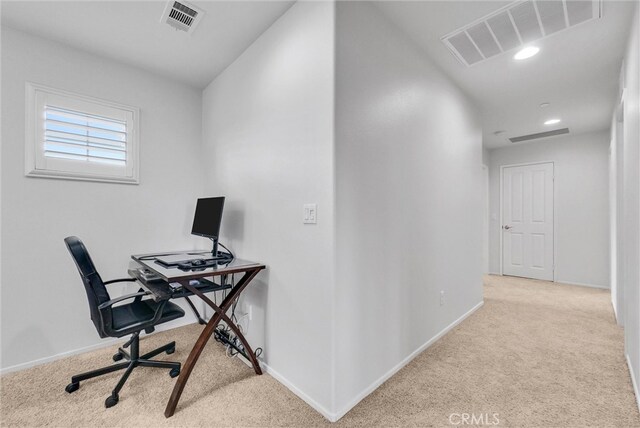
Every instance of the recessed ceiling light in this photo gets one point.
(543, 105)
(527, 52)
(552, 121)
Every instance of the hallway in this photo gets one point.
(553, 353)
(536, 354)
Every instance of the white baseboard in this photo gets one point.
(633, 381)
(40, 361)
(560, 281)
(291, 387)
(99, 345)
(333, 417)
(582, 284)
(402, 363)
(310, 401)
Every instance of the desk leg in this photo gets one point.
(195, 311)
(203, 339)
(223, 317)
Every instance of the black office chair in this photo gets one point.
(118, 321)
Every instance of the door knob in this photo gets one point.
(507, 227)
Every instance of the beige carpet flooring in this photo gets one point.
(536, 354)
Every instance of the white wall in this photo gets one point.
(614, 230)
(486, 222)
(581, 168)
(44, 307)
(408, 201)
(268, 139)
(631, 201)
(486, 156)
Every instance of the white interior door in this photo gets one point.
(527, 221)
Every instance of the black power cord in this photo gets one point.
(231, 255)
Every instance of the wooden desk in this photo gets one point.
(161, 290)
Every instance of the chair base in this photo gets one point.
(133, 360)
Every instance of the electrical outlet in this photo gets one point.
(441, 297)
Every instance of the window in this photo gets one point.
(77, 137)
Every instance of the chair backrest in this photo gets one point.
(93, 285)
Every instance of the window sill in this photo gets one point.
(81, 177)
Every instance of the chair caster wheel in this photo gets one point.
(72, 387)
(174, 372)
(111, 401)
(171, 351)
(117, 356)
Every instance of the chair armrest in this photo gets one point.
(113, 281)
(121, 298)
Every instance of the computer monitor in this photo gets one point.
(207, 220)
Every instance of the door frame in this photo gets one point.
(501, 198)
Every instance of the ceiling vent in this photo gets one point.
(182, 16)
(539, 135)
(517, 24)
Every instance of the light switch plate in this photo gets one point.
(310, 215)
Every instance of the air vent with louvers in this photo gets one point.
(182, 16)
(539, 135)
(516, 24)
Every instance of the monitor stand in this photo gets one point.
(214, 251)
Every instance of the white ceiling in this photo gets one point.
(131, 32)
(576, 70)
